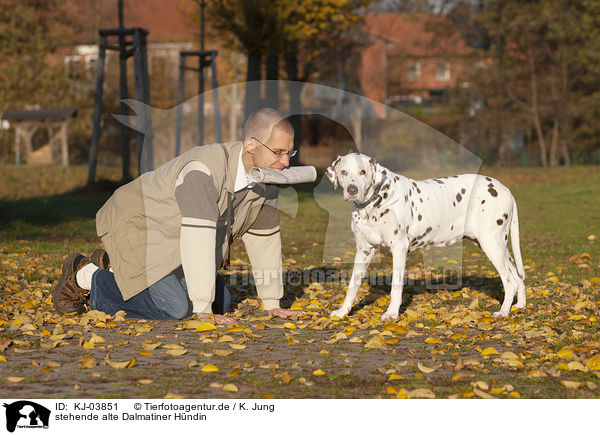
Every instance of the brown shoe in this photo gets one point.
(68, 297)
(100, 258)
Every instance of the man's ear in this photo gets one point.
(331, 172)
(249, 144)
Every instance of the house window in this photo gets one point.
(413, 72)
(442, 72)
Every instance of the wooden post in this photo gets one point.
(125, 135)
(65, 145)
(17, 144)
(216, 108)
(97, 111)
(148, 153)
(179, 112)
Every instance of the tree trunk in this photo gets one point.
(554, 145)
(271, 87)
(252, 89)
(535, 112)
(294, 90)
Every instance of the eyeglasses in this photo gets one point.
(280, 154)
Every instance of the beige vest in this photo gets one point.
(140, 223)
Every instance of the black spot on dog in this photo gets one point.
(462, 191)
(414, 184)
(407, 227)
(396, 178)
(499, 221)
(506, 237)
(384, 212)
(385, 186)
(452, 227)
(483, 201)
(412, 204)
(385, 195)
(505, 216)
(418, 190)
(453, 204)
(421, 199)
(419, 217)
(405, 198)
(438, 181)
(488, 178)
(410, 192)
(396, 231)
(492, 191)
(458, 197)
(365, 252)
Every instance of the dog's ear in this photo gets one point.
(331, 172)
(375, 172)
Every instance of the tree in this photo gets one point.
(541, 72)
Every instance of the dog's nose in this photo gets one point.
(352, 189)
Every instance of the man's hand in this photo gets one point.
(285, 314)
(218, 318)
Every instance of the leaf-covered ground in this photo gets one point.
(444, 344)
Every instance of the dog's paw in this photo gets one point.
(521, 305)
(338, 313)
(500, 314)
(389, 317)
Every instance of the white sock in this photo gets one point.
(84, 276)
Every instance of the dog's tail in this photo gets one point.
(514, 241)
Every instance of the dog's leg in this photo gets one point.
(362, 259)
(399, 263)
(498, 254)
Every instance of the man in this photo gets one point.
(168, 232)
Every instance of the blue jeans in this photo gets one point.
(167, 299)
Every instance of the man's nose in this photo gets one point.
(352, 189)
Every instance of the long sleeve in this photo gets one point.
(197, 198)
(263, 244)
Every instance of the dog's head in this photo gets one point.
(357, 174)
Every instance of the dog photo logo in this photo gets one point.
(25, 414)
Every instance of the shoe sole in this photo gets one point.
(65, 269)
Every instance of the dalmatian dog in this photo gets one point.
(405, 215)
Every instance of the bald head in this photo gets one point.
(262, 122)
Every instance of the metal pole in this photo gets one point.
(97, 111)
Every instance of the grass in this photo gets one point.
(45, 213)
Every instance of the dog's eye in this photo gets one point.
(363, 172)
(344, 173)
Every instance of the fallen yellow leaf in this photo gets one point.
(14, 379)
(426, 369)
(318, 372)
(432, 340)
(145, 381)
(489, 351)
(230, 387)
(233, 373)
(176, 352)
(209, 368)
(594, 362)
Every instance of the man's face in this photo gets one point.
(264, 156)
